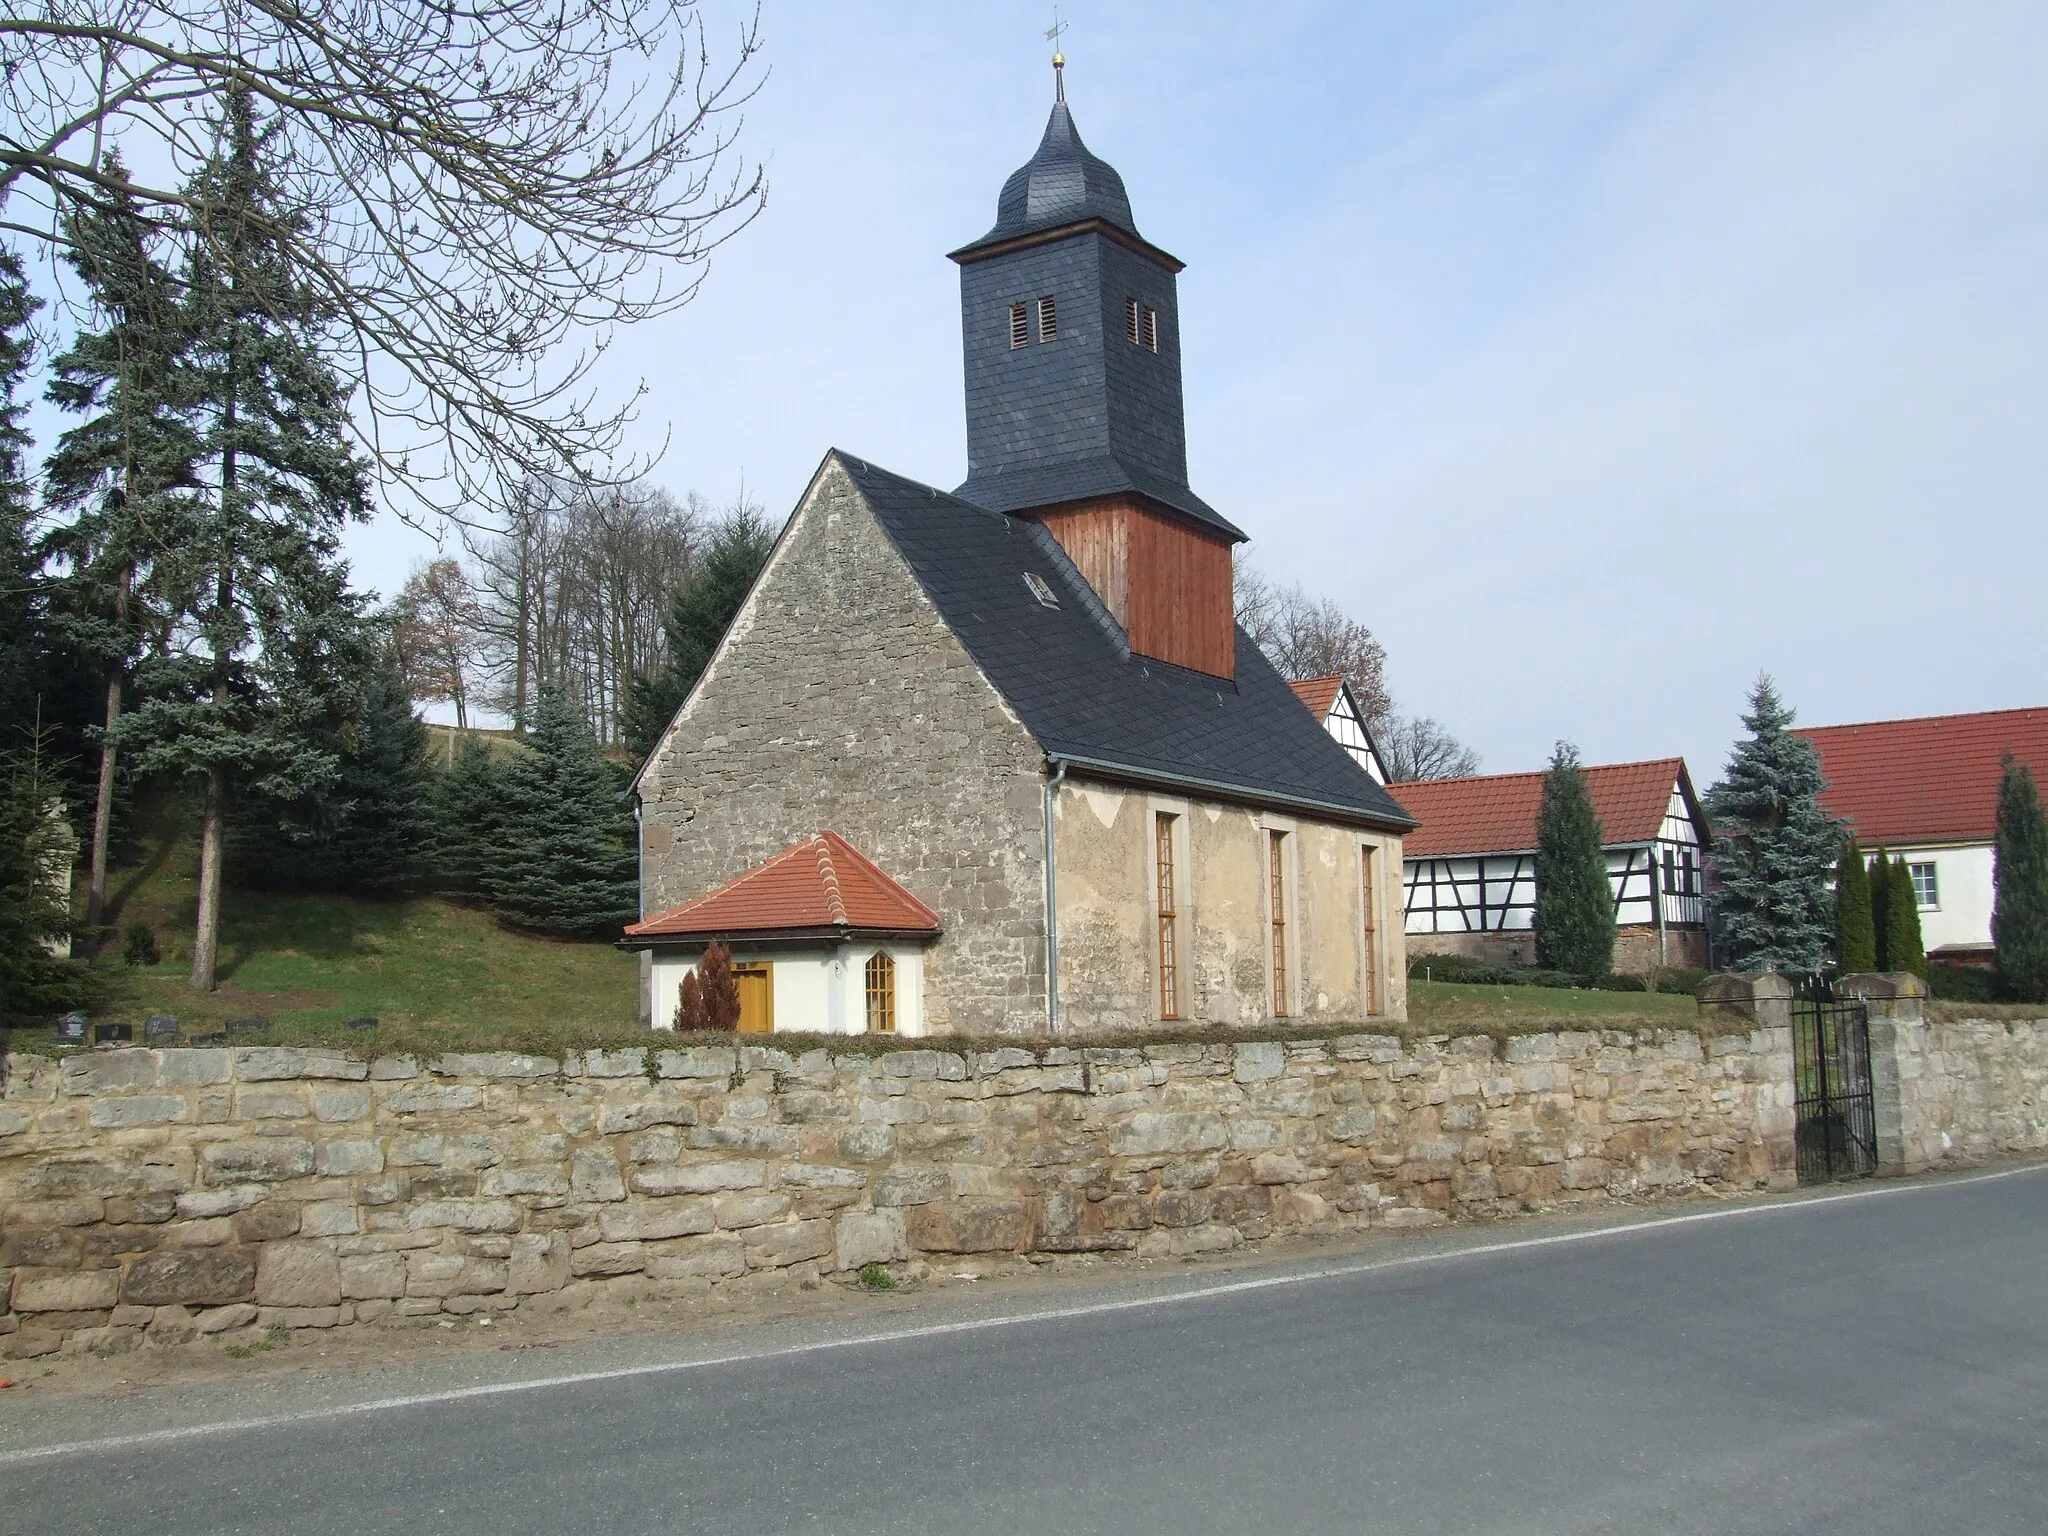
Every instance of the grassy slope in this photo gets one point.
(1447, 1005)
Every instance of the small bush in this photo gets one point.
(1469, 972)
(721, 992)
(1965, 983)
(875, 1278)
(1681, 983)
(690, 1015)
(139, 948)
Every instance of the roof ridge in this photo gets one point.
(828, 875)
(1968, 714)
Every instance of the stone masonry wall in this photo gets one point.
(1968, 1090)
(842, 701)
(159, 1195)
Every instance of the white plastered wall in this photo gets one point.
(817, 991)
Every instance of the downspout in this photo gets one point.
(1052, 920)
(640, 905)
(1657, 906)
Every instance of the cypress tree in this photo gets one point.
(1880, 877)
(266, 590)
(2019, 910)
(564, 861)
(1775, 847)
(701, 612)
(1574, 900)
(1903, 949)
(124, 476)
(1855, 930)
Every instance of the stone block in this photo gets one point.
(347, 1156)
(433, 1098)
(655, 1147)
(110, 1071)
(199, 1204)
(266, 1221)
(440, 1274)
(969, 1226)
(31, 1343)
(715, 1257)
(194, 1068)
(794, 1242)
(353, 1101)
(14, 1119)
(1147, 1133)
(539, 1263)
(1587, 1172)
(140, 1109)
(867, 1143)
(145, 1210)
(541, 1179)
(1255, 1060)
(512, 1064)
(594, 1175)
(700, 1178)
(619, 1119)
(712, 1061)
(861, 1238)
(270, 1103)
(1357, 1124)
(464, 1215)
(822, 1176)
(608, 1259)
(225, 1319)
(651, 1221)
(65, 1290)
(912, 1186)
(297, 1274)
(737, 1211)
(260, 1160)
(172, 1325)
(328, 1218)
(370, 1276)
(192, 1277)
(1412, 1216)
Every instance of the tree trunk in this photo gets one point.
(103, 806)
(206, 940)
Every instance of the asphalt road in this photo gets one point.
(1870, 1364)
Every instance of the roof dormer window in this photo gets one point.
(1040, 590)
(1020, 326)
(1048, 321)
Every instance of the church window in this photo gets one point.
(1131, 321)
(1045, 595)
(1276, 864)
(1151, 329)
(881, 980)
(1020, 326)
(1048, 321)
(1169, 920)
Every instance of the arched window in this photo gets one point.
(881, 994)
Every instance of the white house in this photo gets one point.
(1470, 868)
(821, 940)
(1926, 790)
(1331, 701)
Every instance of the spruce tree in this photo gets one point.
(1855, 932)
(35, 852)
(279, 633)
(698, 618)
(564, 859)
(22, 646)
(1903, 948)
(1775, 847)
(1574, 900)
(123, 478)
(2019, 911)
(468, 808)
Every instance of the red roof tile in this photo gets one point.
(1933, 779)
(1496, 813)
(1318, 693)
(823, 882)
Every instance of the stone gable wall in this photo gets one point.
(842, 701)
(159, 1195)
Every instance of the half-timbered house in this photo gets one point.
(1470, 868)
(1331, 701)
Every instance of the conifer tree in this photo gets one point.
(1775, 847)
(280, 636)
(124, 476)
(1880, 877)
(2019, 911)
(35, 853)
(698, 618)
(1574, 900)
(468, 812)
(690, 1015)
(564, 859)
(1903, 948)
(1855, 932)
(719, 992)
(21, 638)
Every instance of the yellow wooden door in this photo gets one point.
(756, 984)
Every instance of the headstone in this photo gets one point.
(160, 1026)
(103, 1033)
(368, 1021)
(247, 1026)
(71, 1027)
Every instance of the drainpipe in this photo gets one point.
(1052, 920)
(646, 1009)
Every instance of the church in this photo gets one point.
(999, 761)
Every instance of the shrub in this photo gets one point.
(139, 948)
(1965, 983)
(1681, 983)
(721, 993)
(690, 1014)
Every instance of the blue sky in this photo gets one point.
(1597, 356)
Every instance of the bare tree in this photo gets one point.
(436, 632)
(1416, 747)
(494, 180)
(1305, 636)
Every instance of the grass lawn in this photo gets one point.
(1451, 1006)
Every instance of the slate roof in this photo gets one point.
(1005, 489)
(821, 885)
(1062, 183)
(1069, 674)
(1496, 812)
(1934, 779)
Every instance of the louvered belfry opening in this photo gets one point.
(1089, 436)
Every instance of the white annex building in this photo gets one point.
(1470, 868)
(1926, 790)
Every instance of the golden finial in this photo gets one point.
(1059, 59)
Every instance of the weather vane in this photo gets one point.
(1059, 59)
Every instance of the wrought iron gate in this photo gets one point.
(1837, 1130)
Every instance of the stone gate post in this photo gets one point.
(1906, 1122)
(1764, 998)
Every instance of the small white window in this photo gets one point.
(1132, 321)
(1048, 321)
(1020, 326)
(1151, 329)
(1926, 888)
(1040, 590)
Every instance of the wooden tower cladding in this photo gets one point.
(1166, 582)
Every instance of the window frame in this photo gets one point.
(1169, 950)
(1930, 901)
(1131, 314)
(1151, 342)
(1279, 956)
(885, 993)
(1020, 325)
(1047, 312)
